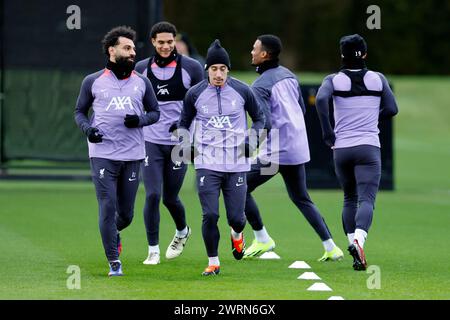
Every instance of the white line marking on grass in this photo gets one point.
(336, 298)
(299, 265)
(319, 286)
(309, 276)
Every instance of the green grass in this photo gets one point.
(47, 226)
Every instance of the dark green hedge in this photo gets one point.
(414, 37)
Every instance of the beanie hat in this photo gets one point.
(217, 55)
(353, 46)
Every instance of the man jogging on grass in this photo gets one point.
(123, 102)
(278, 91)
(361, 98)
(219, 106)
(171, 75)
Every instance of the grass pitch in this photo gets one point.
(47, 226)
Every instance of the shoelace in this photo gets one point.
(115, 266)
(176, 241)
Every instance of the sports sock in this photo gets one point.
(328, 244)
(235, 235)
(213, 261)
(153, 249)
(351, 237)
(361, 236)
(183, 233)
(262, 235)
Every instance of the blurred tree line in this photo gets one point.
(414, 37)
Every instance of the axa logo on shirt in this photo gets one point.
(119, 103)
(162, 90)
(219, 122)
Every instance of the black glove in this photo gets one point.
(173, 127)
(329, 140)
(248, 150)
(194, 153)
(131, 121)
(93, 135)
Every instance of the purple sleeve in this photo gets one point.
(141, 65)
(388, 105)
(323, 98)
(300, 100)
(84, 103)
(262, 95)
(189, 111)
(251, 104)
(194, 69)
(254, 110)
(150, 104)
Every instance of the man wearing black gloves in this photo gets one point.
(123, 102)
(219, 106)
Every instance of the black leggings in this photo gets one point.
(234, 188)
(161, 173)
(358, 170)
(295, 180)
(116, 184)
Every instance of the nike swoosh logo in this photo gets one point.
(130, 179)
(176, 168)
(239, 184)
(160, 87)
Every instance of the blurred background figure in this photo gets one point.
(184, 46)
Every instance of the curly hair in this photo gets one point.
(112, 37)
(161, 27)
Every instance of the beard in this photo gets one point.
(122, 68)
(125, 63)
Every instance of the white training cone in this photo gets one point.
(299, 265)
(319, 286)
(309, 276)
(269, 255)
(335, 298)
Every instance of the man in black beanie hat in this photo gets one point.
(361, 98)
(219, 105)
(353, 51)
(217, 55)
(278, 91)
